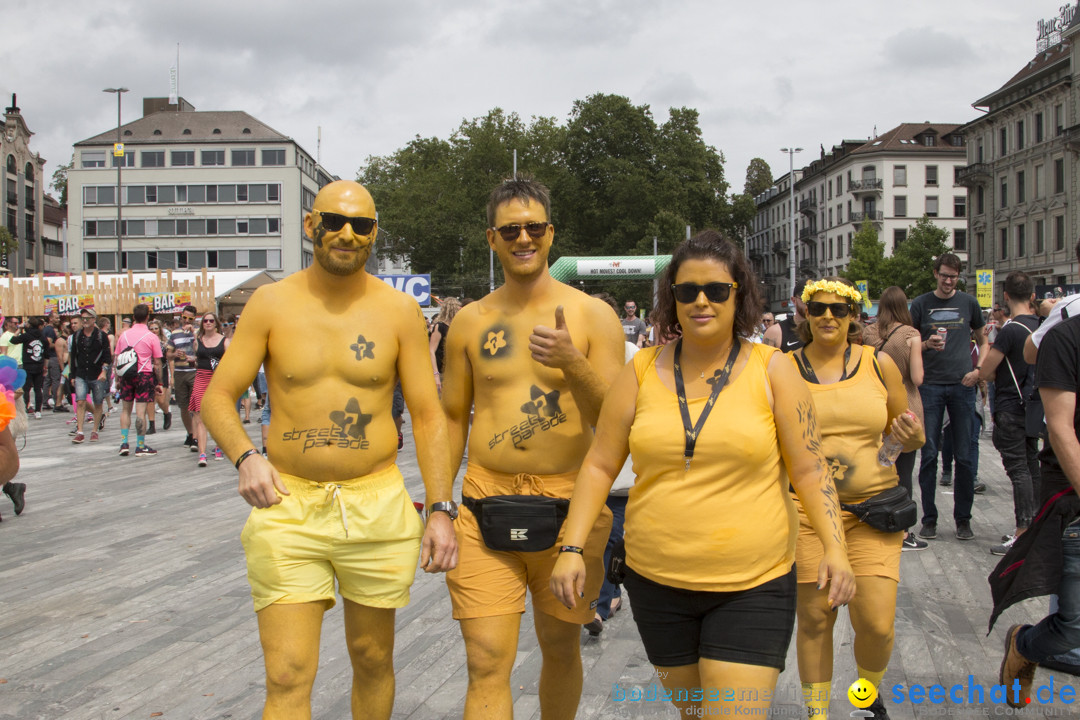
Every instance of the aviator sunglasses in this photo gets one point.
(716, 292)
(335, 221)
(838, 310)
(510, 233)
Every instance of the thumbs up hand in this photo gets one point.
(553, 348)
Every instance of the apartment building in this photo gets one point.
(21, 179)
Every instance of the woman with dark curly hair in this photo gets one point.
(710, 526)
(859, 395)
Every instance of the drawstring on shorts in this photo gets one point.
(333, 491)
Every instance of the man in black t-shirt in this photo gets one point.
(782, 334)
(1013, 379)
(948, 320)
(52, 387)
(1058, 371)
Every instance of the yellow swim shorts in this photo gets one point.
(365, 532)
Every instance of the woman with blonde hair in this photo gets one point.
(896, 336)
(210, 347)
(437, 342)
(859, 396)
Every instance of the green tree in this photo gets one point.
(758, 178)
(8, 243)
(60, 180)
(911, 263)
(868, 260)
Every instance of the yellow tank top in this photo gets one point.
(728, 522)
(852, 415)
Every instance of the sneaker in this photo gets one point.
(878, 709)
(400, 441)
(946, 479)
(980, 488)
(94, 437)
(145, 451)
(151, 430)
(913, 543)
(101, 425)
(218, 455)
(60, 409)
(963, 531)
(124, 449)
(73, 431)
(595, 626)
(37, 415)
(1016, 668)
(928, 531)
(1004, 546)
(202, 459)
(17, 492)
(167, 422)
(79, 437)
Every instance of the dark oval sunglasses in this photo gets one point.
(716, 292)
(510, 233)
(838, 310)
(335, 222)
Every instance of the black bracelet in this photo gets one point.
(572, 549)
(245, 456)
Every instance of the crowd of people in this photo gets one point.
(788, 493)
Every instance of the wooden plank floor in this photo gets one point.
(123, 595)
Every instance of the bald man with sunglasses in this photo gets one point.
(329, 503)
(534, 358)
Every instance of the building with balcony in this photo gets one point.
(769, 243)
(1021, 171)
(23, 186)
(217, 189)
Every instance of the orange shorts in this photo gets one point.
(488, 583)
(872, 553)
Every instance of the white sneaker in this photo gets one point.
(37, 415)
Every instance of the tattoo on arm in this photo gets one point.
(363, 348)
(812, 438)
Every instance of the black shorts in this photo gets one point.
(679, 627)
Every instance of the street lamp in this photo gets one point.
(119, 163)
(791, 179)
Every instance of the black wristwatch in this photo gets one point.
(449, 507)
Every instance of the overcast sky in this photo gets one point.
(373, 75)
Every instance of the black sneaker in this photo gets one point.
(963, 531)
(946, 479)
(878, 708)
(151, 430)
(16, 491)
(913, 543)
(928, 531)
(124, 449)
(101, 425)
(60, 409)
(167, 422)
(145, 451)
(980, 488)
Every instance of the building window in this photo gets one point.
(242, 193)
(1020, 186)
(182, 158)
(90, 159)
(1059, 176)
(243, 158)
(273, 193)
(980, 243)
(931, 175)
(1038, 127)
(980, 200)
(152, 158)
(1021, 240)
(830, 249)
(899, 175)
(1040, 231)
(956, 174)
(127, 161)
(1003, 142)
(960, 206)
(1059, 232)
(273, 157)
(898, 238)
(100, 228)
(213, 157)
(1019, 134)
(105, 195)
(960, 239)
(1004, 243)
(1003, 200)
(900, 206)
(1040, 182)
(928, 140)
(932, 206)
(1059, 119)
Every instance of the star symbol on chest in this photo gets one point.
(363, 348)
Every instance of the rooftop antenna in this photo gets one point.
(318, 147)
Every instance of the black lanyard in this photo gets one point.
(808, 371)
(684, 409)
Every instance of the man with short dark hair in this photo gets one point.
(140, 387)
(52, 385)
(948, 320)
(180, 353)
(1013, 380)
(88, 356)
(782, 334)
(633, 326)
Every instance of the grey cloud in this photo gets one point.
(663, 90)
(926, 47)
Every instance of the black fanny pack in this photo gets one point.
(889, 511)
(523, 523)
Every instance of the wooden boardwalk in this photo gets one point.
(123, 595)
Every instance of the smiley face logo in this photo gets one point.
(862, 693)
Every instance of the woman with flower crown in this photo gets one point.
(859, 397)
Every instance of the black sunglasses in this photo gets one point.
(335, 221)
(838, 310)
(510, 233)
(716, 292)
